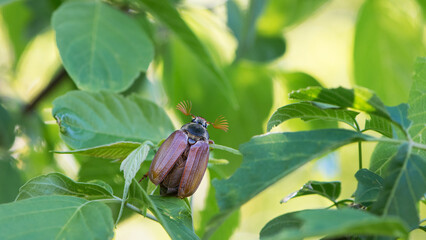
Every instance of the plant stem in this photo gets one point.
(130, 206)
(225, 148)
(390, 140)
(336, 204)
(360, 155)
(359, 146)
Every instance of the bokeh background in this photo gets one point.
(292, 44)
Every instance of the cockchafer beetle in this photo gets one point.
(181, 161)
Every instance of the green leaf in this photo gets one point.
(270, 157)
(404, 185)
(55, 217)
(369, 186)
(10, 179)
(417, 103)
(388, 38)
(172, 213)
(234, 18)
(280, 14)
(360, 99)
(101, 48)
(16, 17)
(130, 166)
(59, 184)
(224, 148)
(309, 111)
(381, 157)
(105, 171)
(210, 227)
(399, 115)
(252, 45)
(253, 85)
(41, 13)
(117, 150)
(92, 119)
(292, 81)
(4, 2)
(265, 48)
(7, 129)
(330, 190)
(166, 13)
(379, 124)
(333, 223)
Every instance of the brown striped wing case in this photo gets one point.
(179, 166)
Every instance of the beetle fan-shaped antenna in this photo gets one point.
(220, 123)
(185, 107)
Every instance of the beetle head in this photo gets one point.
(220, 122)
(200, 121)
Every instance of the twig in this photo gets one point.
(52, 84)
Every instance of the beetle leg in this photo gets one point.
(143, 177)
(195, 167)
(167, 155)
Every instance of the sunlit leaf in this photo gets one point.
(167, 14)
(270, 157)
(214, 161)
(279, 14)
(308, 111)
(404, 184)
(320, 222)
(117, 150)
(55, 217)
(86, 119)
(59, 184)
(359, 98)
(96, 50)
(388, 38)
(174, 214)
(16, 17)
(369, 186)
(417, 103)
(330, 190)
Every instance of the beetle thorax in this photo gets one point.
(196, 131)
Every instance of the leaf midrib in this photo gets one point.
(71, 217)
(395, 186)
(94, 37)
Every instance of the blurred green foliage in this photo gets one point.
(114, 70)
